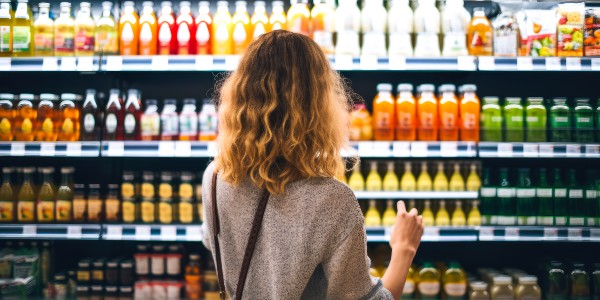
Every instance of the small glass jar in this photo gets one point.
(126, 273)
(502, 288)
(125, 293)
(528, 288)
(479, 291)
(98, 272)
(84, 276)
(142, 261)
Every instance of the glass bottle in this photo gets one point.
(148, 30)
(442, 218)
(129, 29)
(424, 182)
(64, 196)
(408, 182)
(491, 120)
(535, 113)
(208, 120)
(427, 114)
(298, 17)
(133, 112)
(69, 125)
(479, 291)
(458, 215)
(7, 117)
(356, 180)
(48, 117)
(7, 196)
(112, 205)
(384, 113)
(129, 205)
(277, 19)
(167, 30)
(440, 181)
(43, 34)
(185, 208)
(374, 182)
(113, 118)
(579, 282)
(592, 209)
(428, 219)
(26, 116)
(188, 121)
(169, 120)
(528, 289)
(429, 281)
(474, 217)
(427, 29)
(513, 120)
(576, 201)
(556, 279)
(400, 28)
(479, 34)
(150, 122)
(91, 117)
(6, 28)
(204, 27)
(455, 23)
(64, 32)
(166, 205)
(583, 121)
(454, 281)
(26, 208)
(241, 33)
(22, 30)
(372, 216)
(193, 278)
(473, 180)
(222, 43)
(107, 32)
(543, 192)
(347, 27)
(390, 180)
(148, 204)
(410, 283)
(487, 194)
(456, 183)
(373, 26)
(560, 120)
(85, 31)
(506, 200)
(186, 30)
(46, 197)
(389, 215)
(525, 199)
(469, 114)
(406, 113)
(561, 204)
(79, 204)
(448, 113)
(323, 25)
(95, 208)
(502, 288)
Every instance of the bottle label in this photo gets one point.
(183, 38)
(544, 193)
(448, 120)
(157, 262)
(559, 121)
(89, 122)
(127, 34)
(26, 211)
(164, 35)
(128, 212)
(576, 221)
(426, 120)
(525, 193)
(170, 125)
(129, 123)
(561, 221)
(526, 220)
(469, 121)
(21, 38)
(259, 29)
(79, 209)
(4, 38)
(560, 193)
(5, 126)
(383, 120)
(186, 211)
(545, 221)
(145, 34)
(112, 209)
(580, 122)
(188, 124)
(488, 192)
(44, 39)
(142, 264)
(165, 212)
(85, 40)
(405, 120)
(505, 42)
(239, 33)
(6, 211)
(409, 287)
(455, 289)
(147, 211)
(165, 191)
(150, 126)
(63, 210)
(127, 190)
(64, 39)
(575, 193)
(111, 123)
(591, 221)
(505, 192)
(429, 288)
(591, 194)
(173, 264)
(107, 41)
(45, 211)
(94, 210)
(507, 220)
(147, 190)
(208, 124)
(482, 42)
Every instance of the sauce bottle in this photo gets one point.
(69, 125)
(107, 32)
(85, 29)
(469, 114)
(47, 119)
(502, 288)
(384, 113)
(150, 122)
(374, 179)
(535, 118)
(46, 197)
(188, 121)
(186, 30)
(79, 204)
(242, 29)
(64, 32)
(193, 278)
(113, 120)
(26, 206)
(454, 281)
(167, 30)
(112, 205)
(347, 27)
(429, 281)
(406, 113)
(204, 23)
(259, 21)
(186, 199)
(222, 43)
(7, 117)
(448, 113)
(479, 34)
(22, 30)
(390, 180)
(95, 207)
(133, 112)
(491, 120)
(129, 205)
(7, 196)
(361, 124)
(148, 29)
(374, 23)
(43, 32)
(278, 19)
(427, 29)
(298, 17)
(129, 30)
(148, 204)
(26, 116)
(323, 25)
(166, 207)
(6, 28)
(64, 196)
(208, 121)
(427, 114)
(400, 28)
(91, 117)
(169, 121)
(528, 288)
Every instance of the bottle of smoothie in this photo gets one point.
(408, 183)
(455, 21)
(259, 21)
(167, 30)
(400, 28)
(583, 121)
(85, 30)
(133, 112)
(479, 35)
(560, 121)
(469, 114)
(384, 113)
(23, 30)
(424, 182)
(43, 34)
(347, 27)
(390, 180)
(406, 113)
(427, 114)
(64, 32)
(491, 120)
(374, 25)
(150, 122)
(242, 29)
(204, 23)
(208, 120)
(148, 30)
(298, 17)
(323, 25)
(513, 120)
(448, 113)
(169, 121)
(107, 32)
(361, 124)
(427, 29)
(129, 29)
(6, 24)
(222, 43)
(186, 30)
(374, 182)
(535, 120)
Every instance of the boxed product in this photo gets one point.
(570, 29)
(537, 25)
(591, 42)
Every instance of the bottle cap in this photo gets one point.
(490, 99)
(170, 102)
(185, 3)
(85, 4)
(128, 3)
(528, 279)
(166, 176)
(514, 100)
(223, 3)
(189, 101)
(94, 186)
(67, 170)
(113, 186)
(44, 5)
(384, 87)
(6, 96)
(502, 279)
(426, 88)
(447, 88)
(405, 87)
(48, 97)
(469, 88)
(479, 285)
(151, 102)
(148, 3)
(70, 97)
(29, 97)
(259, 3)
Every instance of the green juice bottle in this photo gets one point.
(583, 121)
(505, 194)
(536, 118)
(491, 120)
(543, 193)
(560, 121)
(591, 205)
(513, 120)
(6, 28)
(487, 195)
(525, 199)
(576, 201)
(22, 30)
(561, 207)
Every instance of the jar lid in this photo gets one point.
(490, 99)
(111, 289)
(48, 97)
(97, 288)
(469, 88)
(513, 100)
(5, 96)
(528, 279)
(502, 279)
(112, 264)
(126, 264)
(142, 248)
(479, 285)
(29, 97)
(60, 277)
(99, 263)
(84, 264)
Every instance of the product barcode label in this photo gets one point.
(524, 63)
(114, 232)
(530, 150)
(168, 233)
(166, 148)
(595, 64)
(368, 62)
(17, 149)
(142, 232)
(73, 231)
(47, 149)
(486, 233)
(29, 230)
(449, 149)
(85, 63)
(68, 64)
(397, 62)
(160, 63)
(573, 64)
(505, 149)
(573, 150)
(487, 63)
(49, 64)
(553, 64)
(550, 233)
(546, 150)
(574, 233)
(5, 63)
(73, 149)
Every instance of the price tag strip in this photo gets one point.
(68, 64)
(143, 232)
(47, 149)
(204, 62)
(449, 149)
(74, 232)
(550, 234)
(29, 230)
(115, 149)
(193, 233)
(168, 233)
(486, 234)
(418, 149)
(511, 234)
(49, 64)
(505, 150)
(369, 62)
(487, 63)
(5, 63)
(530, 150)
(17, 149)
(574, 234)
(114, 232)
(344, 62)
(546, 150)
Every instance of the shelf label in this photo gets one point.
(431, 233)
(5, 63)
(594, 234)
(487, 63)
(166, 148)
(47, 149)
(449, 149)
(418, 149)
(29, 230)
(365, 148)
(573, 150)
(595, 64)
(505, 149)
(116, 149)
(193, 232)
(466, 63)
(486, 233)
(550, 233)
(68, 64)
(160, 63)
(232, 62)
(73, 149)
(85, 63)
(592, 150)
(168, 233)
(511, 233)
(143, 232)
(382, 149)
(574, 233)
(368, 62)
(204, 62)
(114, 232)
(183, 149)
(546, 150)
(573, 64)
(397, 62)
(74, 231)
(114, 63)
(17, 149)
(553, 64)
(387, 232)
(401, 149)
(344, 62)
(524, 63)
(212, 149)
(530, 150)
(49, 64)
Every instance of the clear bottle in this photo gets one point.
(207, 121)
(8, 113)
(400, 28)
(188, 121)
(46, 197)
(278, 18)
(556, 280)
(70, 122)
(502, 288)
(528, 288)
(85, 31)
(479, 35)
(204, 23)
(107, 35)
(323, 25)
(133, 113)
(506, 30)
(373, 26)
(455, 21)
(298, 17)
(186, 30)
(6, 28)
(43, 34)
(26, 206)
(148, 30)
(64, 196)
(48, 117)
(242, 28)
(222, 43)
(91, 117)
(150, 122)
(7, 196)
(64, 32)
(427, 28)
(169, 121)
(347, 27)
(113, 117)
(22, 30)
(579, 282)
(167, 30)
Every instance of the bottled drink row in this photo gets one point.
(458, 218)
(27, 117)
(527, 30)
(408, 182)
(516, 197)
(28, 200)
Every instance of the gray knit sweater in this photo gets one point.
(312, 243)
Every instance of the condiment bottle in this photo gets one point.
(157, 261)
(502, 288)
(8, 114)
(46, 197)
(241, 33)
(186, 30)
(133, 112)
(148, 29)
(167, 30)
(188, 121)
(85, 28)
(479, 35)
(47, 116)
(79, 204)
(43, 34)
(528, 288)
(150, 122)
(113, 119)
(95, 207)
(129, 29)
(91, 117)
(390, 180)
(22, 26)
(169, 120)
(129, 205)
(323, 25)
(98, 272)
(112, 205)
(107, 35)
(374, 182)
(479, 291)
(166, 207)
(448, 113)
(26, 208)
(142, 262)
(69, 125)
(64, 32)
(400, 28)
(406, 113)
(173, 262)
(26, 116)
(148, 205)
(204, 24)
(7, 196)
(65, 195)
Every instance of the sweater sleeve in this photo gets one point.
(207, 203)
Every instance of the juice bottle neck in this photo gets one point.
(277, 9)
(106, 11)
(66, 179)
(148, 10)
(84, 12)
(114, 101)
(90, 100)
(22, 11)
(65, 12)
(47, 179)
(185, 10)
(204, 9)
(44, 12)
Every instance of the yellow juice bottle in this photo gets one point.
(454, 281)
(408, 182)
(64, 32)
(85, 31)
(278, 19)
(6, 28)
(473, 180)
(429, 281)
(372, 217)
(107, 35)
(373, 179)
(440, 181)
(424, 181)
(298, 17)
(43, 32)
(259, 21)
(442, 218)
(457, 184)
(390, 180)
(222, 43)
(323, 25)
(242, 29)
(427, 214)
(356, 180)
(458, 216)
(389, 215)
(22, 30)
(474, 218)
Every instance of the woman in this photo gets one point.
(284, 117)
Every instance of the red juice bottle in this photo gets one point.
(186, 30)
(203, 28)
(133, 112)
(113, 118)
(167, 30)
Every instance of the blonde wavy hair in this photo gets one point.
(283, 114)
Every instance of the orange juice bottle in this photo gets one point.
(383, 113)
(26, 116)
(148, 30)
(469, 114)
(406, 113)
(278, 19)
(427, 114)
(186, 30)
(448, 113)
(323, 25)
(203, 28)
(298, 17)
(129, 29)
(221, 30)
(242, 34)
(68, 129)
(46, 124)
(259, 20)
(85, 30)
(479, 34)
(361, 124)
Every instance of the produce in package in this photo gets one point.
(570, 29)
(539, 33)
(591, 43)
(506, 29)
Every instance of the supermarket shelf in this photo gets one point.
(551, 150)
(50, 231)
(80, 64)
(539, 233)
(488, 63)
(430, 234)
(415, 195)
(71, 149)
(413, 149)
(158, 149)
(152, 232)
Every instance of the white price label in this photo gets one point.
(431, 234)
(73, 149)
(546, 150)
(344, 62)
(592, 150)
(595, 64)
(143, 232)
(397, 62)
(595, 234)
(524, 63)
(68, 64)
(573, 150)
(553, 64)
(17, 149)
(401, 149)
(204, 62)
(530, 150)
(160, 63)
(449, 149)
(212, 149)
(418, 149)
(511, 233)
(166, 148)
(486, 233)
(49, 64)
(193, 233)
(487, 63)
(382, 149)
(114, 63)
(116, 149)
(387, 232)
(232, 62)
(366, 148)
(183, 149)
(574, 233)
(368, 62)
(466, 63)
(47, 149)
(168, 233)
(505, 149)
(85, 63)
(114, 232)
(573, 64)
(550, 233)
(29, 230)
(74, 231)
(5, 63)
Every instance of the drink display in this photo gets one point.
(22, 27)
(107, 31)
(148, 30)
(469, 114)
(384, 113)
(43, 35)
(167, 30)
(222, 29)
(85, 29)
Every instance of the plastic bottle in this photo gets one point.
(374, 179)
(46, 197)
(259, 21)
(400, 28)
(347, 27)
(427, 29)
(384, 113)
(389, 215)
(491, 120)
(169, 121)
(473, 180)
(469, 114)
(278, 19)
(85, 30)
(406, 113)
(150, 122)
(70, 121)
(427, 114)
(535, 118)
(208, 121)
(22, 43)
(448, 113)
(361, 124)
(513, 120)
(429, 281)
(372, 216)
(428, 219)
(113, 117)
(408, 182)
(458, 215)
(323, 25)
(222, 43)
(298, 17)
(43, 34)
(474, 217)
(374, 25)
(204, 24)
(148, 30)
(479, 35)
(107, 32)
(167, 30)
(133, 113)
(129, 29)
(188, 121)
(455, 22)
(186, 30)
(64, 31)
(442, 218)
(6, 28)
(242, 28)
(456, 183)
(390, 180)
(424, 180)
(8, 114)
(440, 181)
(356, 180)
(560, 120)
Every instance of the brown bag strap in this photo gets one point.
(252, 239)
